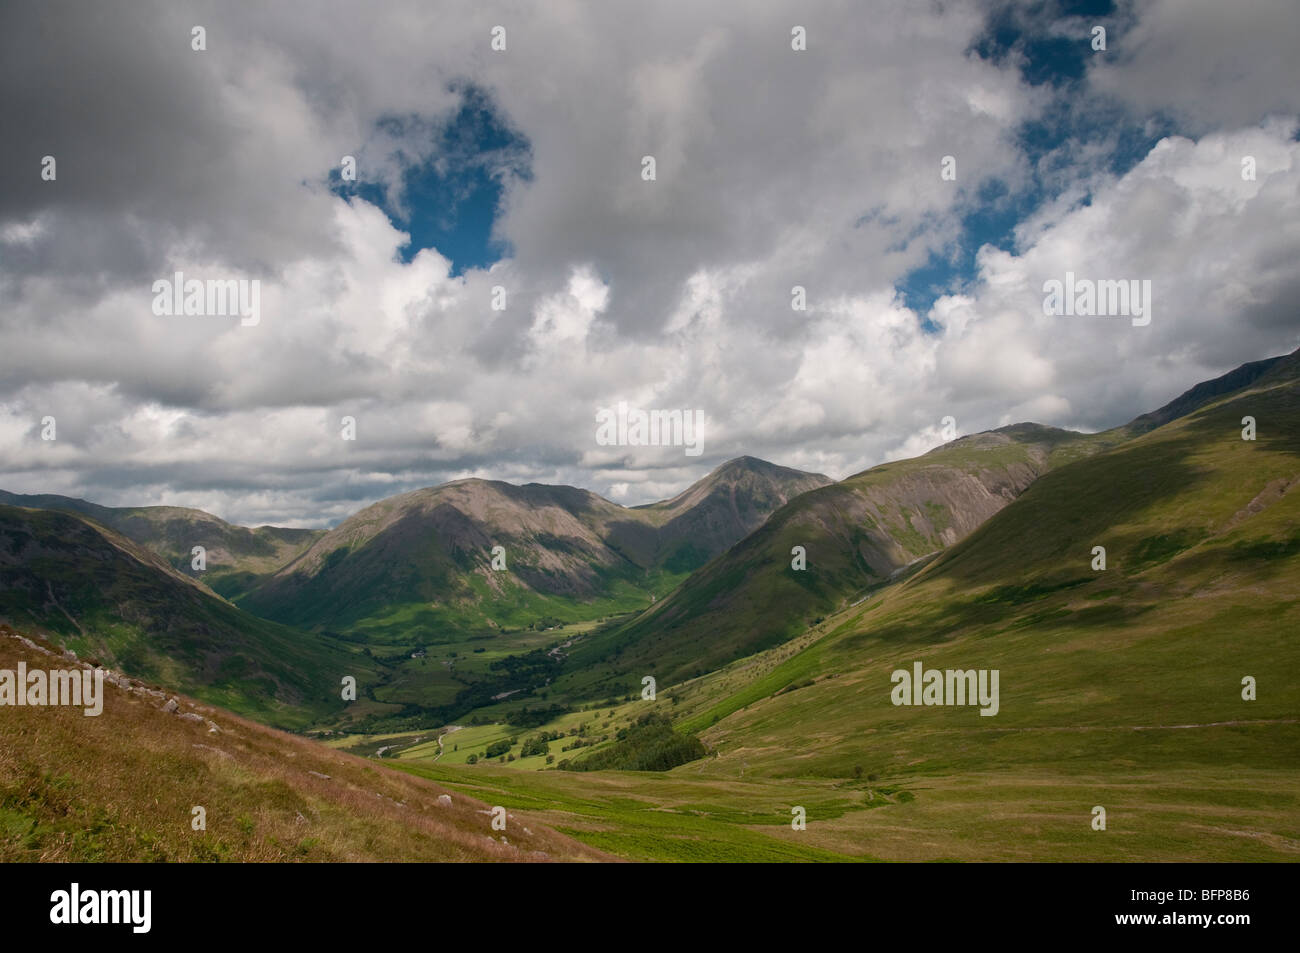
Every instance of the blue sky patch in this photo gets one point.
(454, 171)
(1050, 143)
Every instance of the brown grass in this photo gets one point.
(121, 787)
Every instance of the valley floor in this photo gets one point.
(709, 811)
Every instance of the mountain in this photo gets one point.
(235, 555)
(1127, 687)
(417, 567)
(855, 535)
(123, 786)
(726, 506)
(858, 535)
(1161, 689)
(104, 596)
(409, 573)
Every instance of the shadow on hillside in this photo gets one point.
(1066, 512)
(1027, 561)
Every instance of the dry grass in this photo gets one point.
(122, 786)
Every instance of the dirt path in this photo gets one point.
(449, 730)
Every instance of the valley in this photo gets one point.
(1160, 689)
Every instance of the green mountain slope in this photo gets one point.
(856, 535)
(236, 556)
(726, 506)
(1120, 687)
(105, 597)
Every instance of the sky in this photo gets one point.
(521, 169)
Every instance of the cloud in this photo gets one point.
(776, 168)
(1210, 64)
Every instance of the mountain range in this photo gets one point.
(1126, 585)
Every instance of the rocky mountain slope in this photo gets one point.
(422, 562)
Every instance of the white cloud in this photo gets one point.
(775, 168)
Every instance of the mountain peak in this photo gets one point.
(745, 469)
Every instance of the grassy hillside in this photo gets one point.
(104, 597)
(414, 568)
(857, 535)
(123, 787)
(236, 555)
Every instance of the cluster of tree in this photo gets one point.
(532, 717)
(650, 744)
(534, 746)
(529, 664)
(540, 743)
(515, 673)
(409, 718)
(524, 674)
(498, 748)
